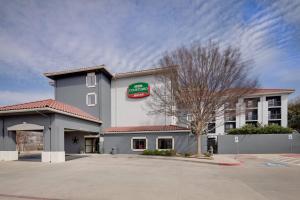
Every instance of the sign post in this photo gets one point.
(290, 137)
(236, 141)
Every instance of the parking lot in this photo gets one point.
(136, 177)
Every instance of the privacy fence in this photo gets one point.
(259, 144)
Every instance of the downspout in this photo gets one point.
(3, 133)
(99, 106)
(116, 94)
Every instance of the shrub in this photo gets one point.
(159, 152)
(251, 129)
(187, 154)
(207, 154)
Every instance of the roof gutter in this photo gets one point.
(175, 131)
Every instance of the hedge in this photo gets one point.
(159, 152)
(251, 129)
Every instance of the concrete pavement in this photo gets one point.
(134, 177)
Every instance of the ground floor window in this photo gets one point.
(164, 143)
(138, 143)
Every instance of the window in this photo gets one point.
(211, 127)
(229, 125)
(164, 143)
(91, 80)
(252, 102)
(91, 99)
(274, 101)
(139, 143)
(189, 117)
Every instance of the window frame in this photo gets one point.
(139, 138)
(86, 80)
(165, 137)
(87, 99)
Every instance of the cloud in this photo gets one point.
(10, 97)
(38, 36)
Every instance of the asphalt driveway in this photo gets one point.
(130, 177)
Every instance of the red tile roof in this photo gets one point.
(153, 128)
(49, 105)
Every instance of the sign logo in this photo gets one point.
(138, 90)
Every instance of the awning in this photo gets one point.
(25, 127)
(92, 136)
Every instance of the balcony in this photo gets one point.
(275, 116)
(251, 104)
(230, 118)
(274, 103)
(251, 117)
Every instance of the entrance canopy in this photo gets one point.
(25, 127)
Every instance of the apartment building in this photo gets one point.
(95, 111)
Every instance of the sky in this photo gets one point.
(44, 36)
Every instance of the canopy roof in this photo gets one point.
(51, 106)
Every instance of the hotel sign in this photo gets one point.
(138, 90)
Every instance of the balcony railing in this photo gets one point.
(252, 105)
(274, 103)
(275, 116)
(251, 117)
(230, 118)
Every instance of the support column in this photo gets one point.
(265, 112)
(54, 147)
(241, 115)
(284, 110)
(220, 122)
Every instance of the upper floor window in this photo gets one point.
(252, 102)
(91, 80)
(189, 117)
(91, 99)
(274, 101)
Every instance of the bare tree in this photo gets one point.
(21, 140)
(200, 81)
(294, 114)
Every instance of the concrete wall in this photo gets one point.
(104, 102)
(258, 144)
(70, 146)
(184, 142)
(73, 90)
(1, 135)
(54, 125)
(9, 139)
(133, 112)
(62, 122)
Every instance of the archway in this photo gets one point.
(28, 140)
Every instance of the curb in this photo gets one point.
(194, 161)
(230, 164)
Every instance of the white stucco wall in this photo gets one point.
(133, 112)
(262, 112)
(284, 110)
